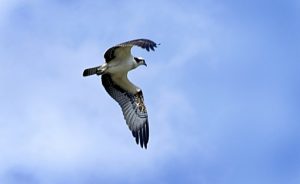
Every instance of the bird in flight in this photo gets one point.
(118, 62)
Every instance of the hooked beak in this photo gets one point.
(144, 63)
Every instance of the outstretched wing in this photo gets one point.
(133, 108)
(123, 49)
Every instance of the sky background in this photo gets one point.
(222, 92)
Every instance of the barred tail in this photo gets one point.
(90, 71)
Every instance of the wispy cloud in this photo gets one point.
(216, 90)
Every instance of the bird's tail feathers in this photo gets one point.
(99, 70)
(90, 71)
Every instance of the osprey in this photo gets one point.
(118, 62)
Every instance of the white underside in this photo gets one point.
(118, 69)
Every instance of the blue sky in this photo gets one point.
(222, 91)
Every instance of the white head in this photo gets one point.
(139, 61)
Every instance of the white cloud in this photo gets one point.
(54, 123)
(69, 123)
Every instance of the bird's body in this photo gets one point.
(118, 62)
(120, 65)
(118, 70)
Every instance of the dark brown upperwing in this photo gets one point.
(143, 43)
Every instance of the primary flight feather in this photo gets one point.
(118, 62)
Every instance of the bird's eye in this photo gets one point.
(137, 59)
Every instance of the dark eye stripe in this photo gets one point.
(137, 59)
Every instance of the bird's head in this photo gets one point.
(139, 61)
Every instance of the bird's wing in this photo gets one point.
(124, 49)
(133, 108)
